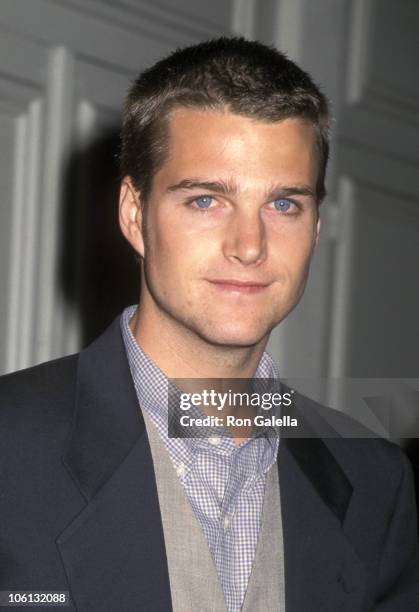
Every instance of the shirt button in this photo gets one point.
(226, 522)
(214, 440)
(181, 470)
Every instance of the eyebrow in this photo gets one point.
(218, 186)
(229, 188)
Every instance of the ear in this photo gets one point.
(131, 215)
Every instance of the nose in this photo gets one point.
(245, 239)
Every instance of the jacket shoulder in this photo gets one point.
(46, 390)
(362, 453)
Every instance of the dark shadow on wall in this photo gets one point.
(98, 271)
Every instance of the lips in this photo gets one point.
(239, 286)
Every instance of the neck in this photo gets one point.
(181, 353)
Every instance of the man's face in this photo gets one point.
(230, 226)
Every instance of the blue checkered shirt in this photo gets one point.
(225, 483)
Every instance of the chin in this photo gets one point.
(235, 337)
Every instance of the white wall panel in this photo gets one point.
(384, 300)
(24, 236)
(378, 158)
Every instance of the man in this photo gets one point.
(224, 152)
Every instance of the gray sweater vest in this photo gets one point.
(194, 582)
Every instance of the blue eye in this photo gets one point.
(204, 201)
(282, 204)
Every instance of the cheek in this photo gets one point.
(161, 239)
(174, 238)
(169, 257)
(293, 246)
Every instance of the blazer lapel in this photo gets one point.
(113, 551)
(322, 570)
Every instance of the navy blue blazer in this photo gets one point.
(79, 509)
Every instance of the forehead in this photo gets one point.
(224, 145)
